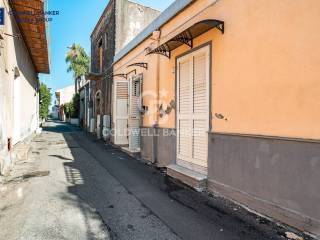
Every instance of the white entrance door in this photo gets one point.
(134, 114)
(121, 112)
(193, 110)
(16, 110)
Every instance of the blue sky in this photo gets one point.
(75, 23)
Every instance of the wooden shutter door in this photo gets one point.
(134, 116)
(184, 123)
(200, 109)
(193, 110)
(121, 112)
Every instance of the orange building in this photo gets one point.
(224, 95)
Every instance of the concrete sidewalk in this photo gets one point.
(35, 200)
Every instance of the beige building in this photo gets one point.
(23, 54)
(64, 95)
(230, 90)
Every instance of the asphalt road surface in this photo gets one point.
(75, 187)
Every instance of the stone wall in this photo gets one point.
(104, 32)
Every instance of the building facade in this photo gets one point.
(63, 96)
(120, 22)
(20, 62)
(224, 95)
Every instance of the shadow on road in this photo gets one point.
(135, 199)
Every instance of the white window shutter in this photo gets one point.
(121, 112)
(200, 110)
(184, 141)
(134, 116)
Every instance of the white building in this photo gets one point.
(23, 54)
(54, 113)
(63, 96)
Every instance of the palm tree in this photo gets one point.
(78, 61)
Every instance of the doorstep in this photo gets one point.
(194, 179)
(133, 153)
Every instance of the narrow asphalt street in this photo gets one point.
(75, 187)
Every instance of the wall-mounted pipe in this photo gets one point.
(154, 138)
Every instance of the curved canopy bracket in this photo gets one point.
(122, 75)
(125, 75)
(184, 38)
(162, 50)
(139, 64)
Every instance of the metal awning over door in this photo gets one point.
(186, 37)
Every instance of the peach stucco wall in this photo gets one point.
(265, 68)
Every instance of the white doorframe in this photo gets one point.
(192, 123)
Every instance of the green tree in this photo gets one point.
(67, 108)
(78, 61)
(45, 100)
(75, 109)
(72, 109)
